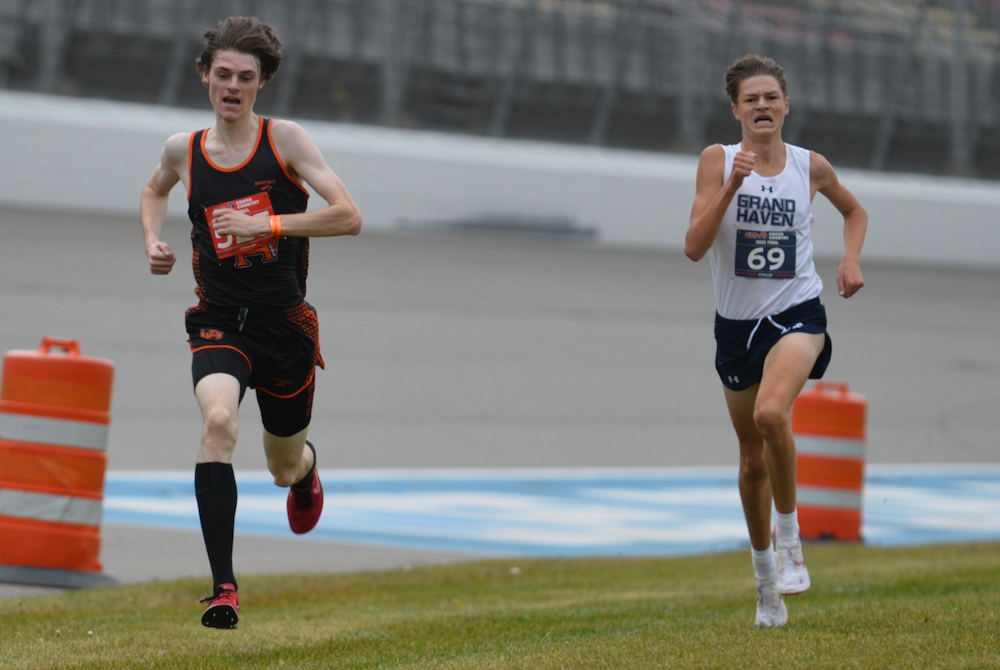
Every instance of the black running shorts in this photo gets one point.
(742, 346)
(274, 351)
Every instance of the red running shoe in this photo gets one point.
(305, 505)
(223, 609)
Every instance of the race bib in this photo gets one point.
(226, 246)
(765, 254)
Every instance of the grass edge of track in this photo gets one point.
(926, 607)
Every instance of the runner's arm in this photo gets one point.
(712, 197)
(304, 161)
(153, 204)
(824, 178)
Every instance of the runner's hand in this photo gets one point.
(742, 167)
(161, 259)
(849, 279)
(228, 221)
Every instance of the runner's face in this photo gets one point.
(233, 82)
(761, 106)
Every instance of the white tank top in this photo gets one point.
(762, 258)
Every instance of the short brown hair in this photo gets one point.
(243, 34)
(749, 66)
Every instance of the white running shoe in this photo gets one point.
(771, 610)
(793, 578)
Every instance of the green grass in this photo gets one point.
(934, 607)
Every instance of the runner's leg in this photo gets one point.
(755, 489)
(218, 396)
(292, 461)
(786, 370)
(288, 458)
(755, 492)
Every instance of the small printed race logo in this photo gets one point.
(211, 334)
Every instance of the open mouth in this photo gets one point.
(231, 101)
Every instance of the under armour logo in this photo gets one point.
(769, 189)
(733, 379)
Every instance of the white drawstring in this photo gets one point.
(773, 322)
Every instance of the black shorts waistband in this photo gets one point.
(243, 315)
(806, 306)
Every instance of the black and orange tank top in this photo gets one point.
(230, 271)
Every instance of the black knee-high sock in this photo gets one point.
(215, 488)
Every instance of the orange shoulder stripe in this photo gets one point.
(190, 159)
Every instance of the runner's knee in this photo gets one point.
(772, 421)
(752, 465)
(220, 426)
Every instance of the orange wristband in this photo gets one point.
(276, 225)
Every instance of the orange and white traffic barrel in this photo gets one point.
(828, 422)
(54, 420)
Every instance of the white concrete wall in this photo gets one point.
(68, 153)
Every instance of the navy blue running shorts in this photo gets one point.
(272, 350)
(742, 346)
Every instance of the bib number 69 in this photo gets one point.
(765, 254)
(759, 257)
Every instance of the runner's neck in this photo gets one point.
(229, 144)
(771, 155)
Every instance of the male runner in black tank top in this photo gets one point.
(251, 327)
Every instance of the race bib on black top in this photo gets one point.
(258, 204)
(765, 254)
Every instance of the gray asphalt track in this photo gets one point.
(459, 350)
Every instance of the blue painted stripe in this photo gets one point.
(565, 512)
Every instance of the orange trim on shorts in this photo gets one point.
(260, 131)
(277, 156)
(224, 346)
(286, 397)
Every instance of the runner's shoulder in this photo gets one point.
(283, 130)
(713, 152)
(821, 172)
(292, 142)
(712, 164)
(175, 150)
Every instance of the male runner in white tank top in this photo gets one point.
(751, 215)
